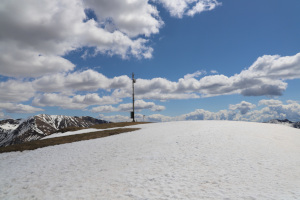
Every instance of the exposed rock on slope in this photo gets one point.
(285, 122)
(39, 126)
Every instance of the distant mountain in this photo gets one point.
(36, 127)
(285, 122)
(297, 124)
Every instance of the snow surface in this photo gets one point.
(174, 160)
(88, 130)
(54, 135)
(9, 126)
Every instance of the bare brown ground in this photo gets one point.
(73, 138)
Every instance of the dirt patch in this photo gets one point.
(65, 139)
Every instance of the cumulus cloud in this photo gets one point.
(278, 109)
(270, 102)
(131, 17)
(265, 77)
(243, 111)
(194, 75)
(275, 110)
(18, 108)
(243, 107)
(16, 62)
(88, 80)
(179, 8)
(202, 6)
(276, 67)
(36, 34)
(73, 102)
(250, 82)
(16, 91)
(138, 105)
(116, 118)
(61, 89)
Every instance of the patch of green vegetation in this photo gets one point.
(63, 140)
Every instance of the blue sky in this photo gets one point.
(193, 59)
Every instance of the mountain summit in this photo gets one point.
(36, 127)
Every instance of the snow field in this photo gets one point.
(174, 160)
(89, 130)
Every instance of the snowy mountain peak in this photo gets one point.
(9, 124)
(285, 122)
(39, 126)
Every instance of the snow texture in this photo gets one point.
(88, 130)
(9, 126)
(175, 160)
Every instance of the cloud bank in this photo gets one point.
(265, 77)
(243, 111)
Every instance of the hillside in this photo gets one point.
(285, 122)
(39, 126)
(175, 160)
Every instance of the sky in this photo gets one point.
(192, 59)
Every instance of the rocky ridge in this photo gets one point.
(36, 127)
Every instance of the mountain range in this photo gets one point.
(285, 122)
(16, 131)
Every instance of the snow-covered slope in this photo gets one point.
(175, 160)
(39, 126)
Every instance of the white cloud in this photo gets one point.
(74, 102)
(115, 118)
(33, 40)
(270, 102)
(16, 91)
(276, 67)
(157, 118)
(18, 108)
(104, 109)
(243, 107)
(194, 75)
(162, 89)
(133, 17)
(249, 82)
(94, 99)
(138, 105)
(16, 62)
(264, 78)
(291, 111)
(270, 111)
(179, 8)
(292, 102)
(202, 6)
(88, 80)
